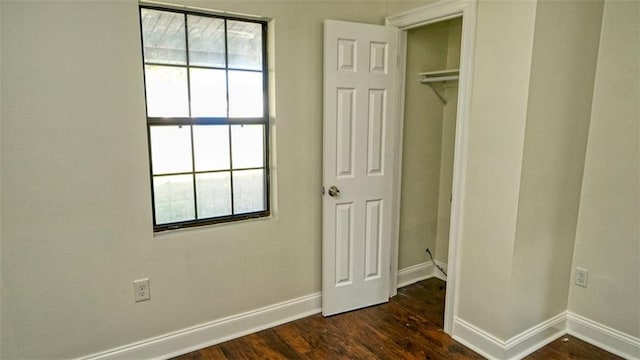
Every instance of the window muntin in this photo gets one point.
(207, 117)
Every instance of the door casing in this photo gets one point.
(425, 15)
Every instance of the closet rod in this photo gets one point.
(430, 77)
(426, 80)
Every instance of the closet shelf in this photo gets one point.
(431, 77)
(439, 76)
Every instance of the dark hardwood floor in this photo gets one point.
(409, 326)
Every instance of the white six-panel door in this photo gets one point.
(360, 66)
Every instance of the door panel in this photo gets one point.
(377, 135)
(372, 255)
(345, 122)
(359, 94)
(344, 244)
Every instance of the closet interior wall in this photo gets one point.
(428, 144)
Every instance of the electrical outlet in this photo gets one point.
(141, 290)
(582, 277)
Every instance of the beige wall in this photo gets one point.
(565, 49)
(76, 207)
(533, 198)
(422, 138)
(504, 43)
(608, 232)
(428, 135)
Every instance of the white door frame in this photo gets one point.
(424, 15)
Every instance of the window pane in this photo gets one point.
(245, 94)
(163, 37)
(247, 144)
(166, 91)
(211, 147)
(173, 198)
(208, 93)
(248, 191)
(245, 45)
(214, 194)
(170, 149)
(206, 41)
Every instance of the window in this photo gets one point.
(207, 117)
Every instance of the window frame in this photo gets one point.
(194, 121)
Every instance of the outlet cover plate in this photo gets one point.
(141, 290)
(582, 277)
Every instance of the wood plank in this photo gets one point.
(210, 353)
(289, 334)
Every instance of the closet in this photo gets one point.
(431, 97)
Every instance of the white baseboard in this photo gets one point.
(516, 347)
(536, 337)
(602, 336)
(419, 272)
(415, 273)
(477, 339)
(540, 335)
(215, 332)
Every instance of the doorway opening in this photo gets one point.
(428, 144)
(458, 19)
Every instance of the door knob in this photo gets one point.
(334, 191)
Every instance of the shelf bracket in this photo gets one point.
(444, 101)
